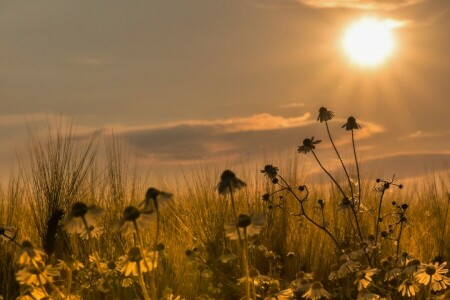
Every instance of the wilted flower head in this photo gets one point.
(229, 182)
(270, 171)
(408, 288)
(364, 278)
(135, 263)
(316, 291)
(351, 124)
(28, 252)
(325, 115)
(132, 217)
(308, 145)
(155, 199)
(82, 218)
(252, 225)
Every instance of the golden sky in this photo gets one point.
(187, 81)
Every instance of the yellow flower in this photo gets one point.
(316, 291)
(132, 218)
(431, 273)
(36, 275)
(28, 253)
(134, 262)
(82, 217)
(252, 225)
(364, 278)
(408, 288)
(70, 264)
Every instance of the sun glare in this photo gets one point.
(368, 42)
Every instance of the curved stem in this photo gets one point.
(377, 226)
(340, 159)
(328, 173)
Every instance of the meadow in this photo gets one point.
(74, 226)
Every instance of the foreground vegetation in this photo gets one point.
(72, 229)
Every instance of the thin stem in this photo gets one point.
(357, 167)
(92, 245)
(377, 226)
(142, 282)
(247, 270)
(444, 227)
(399, 235)
(69, 284)
(234, 214)
(340, 159)
(328, 173)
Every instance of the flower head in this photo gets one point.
(155, 200)
(229, 183)
(252, 225)
(431, 273)
(308, 145)
(325, 115)
(364, 278)
(408, 288)
(137, 261)
(351, 124)
(227, 256)
(316, 291)
(82, 218)
(28, 253)
(132, 217)
(270, 171)
(37, 274)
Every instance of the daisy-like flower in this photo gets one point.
(351, 124)
(155, 200)
(28, 253)
(132, 218)
(36, 275)
(286, 294)
(431, 273)
(348, 267)
(94, 232)
(308, 145)
(227, 256)
(408, 288)
(270, 171)
(229, 182)
(82, 217)
(252, 225)
(441, 284)
(325, 115)
(70, 264)
(32, 293)
(334, 275)
(134, 263)
(316, 291)
(364, 278)
(392, 273)
(368, 296)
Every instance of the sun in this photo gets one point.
(369, 42)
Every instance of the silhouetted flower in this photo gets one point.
(81, 217)
(325, 115)
(251, 224)
(351, 124)
(155, 199)
(270, 171)
(134, 263)
(133, 217)
(308, 145)
(229, 183)
(316, 291)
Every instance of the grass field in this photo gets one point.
(76, 227)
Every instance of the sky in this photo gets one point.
(186, 82)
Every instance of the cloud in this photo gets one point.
(240, 138)
(361, 4)
(425, 134)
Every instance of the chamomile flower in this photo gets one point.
(316, 291)
(252, 225)
(308, 145)
(408, 288)
(431, 273)
(155, 200)
(28, 253)
(82, 217)
(364, 278)
(70, 264)
(38, 274)
(325, 115)
(32, 293)
(351, 124)
(134, 263)
(227, 256)
(412, 266)
(132, 217)
(229, 182)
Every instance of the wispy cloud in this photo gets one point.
(425, 134)
(293, 105)
(361, 4)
